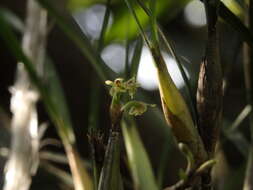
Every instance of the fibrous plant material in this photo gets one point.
(23, 159)
(209, 93)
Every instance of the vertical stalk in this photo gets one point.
(95, 138)
(23, 159)
(209, 92)
(104, 26)
(110, 178)
(127, 68)
(248, 59)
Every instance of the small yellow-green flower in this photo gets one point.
(131, 85)
(136, 108)
(119, 86)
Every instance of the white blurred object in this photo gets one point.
(23, 157)
(194, 13)
(91, 20)
(147, 75)
(114, 57)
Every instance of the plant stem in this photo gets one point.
(108, 178)
(209, 93)
(94, 130)
(104, 26)
(248, 69)
(127, 68)
(24, 159)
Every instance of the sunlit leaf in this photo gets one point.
(138, 159)
(124, 22)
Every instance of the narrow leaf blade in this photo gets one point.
(138, 159)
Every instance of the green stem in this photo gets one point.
(127, 69)
(131, 9)
(104, 26)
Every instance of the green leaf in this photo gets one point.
(11, 18)
(104, 26)
(110, 177)
(56, 95)
(230, 18)
(124, 22)
(78, 4)
(138, 159)
(136, 58)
